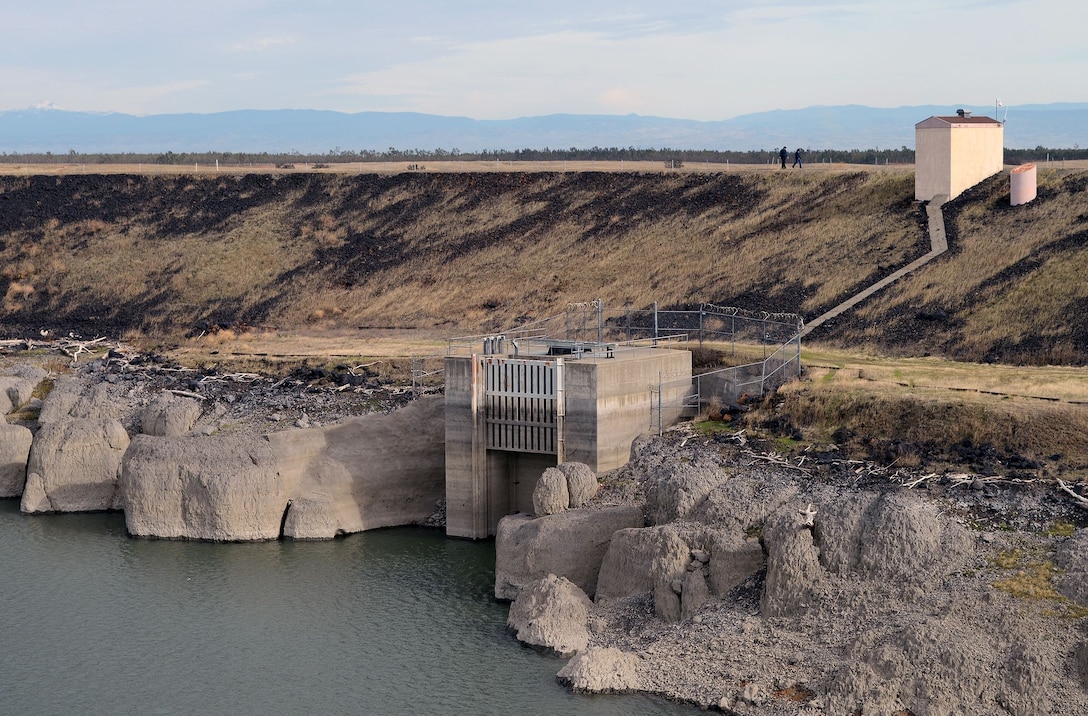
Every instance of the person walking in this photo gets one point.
(797, 159)
(782, 155)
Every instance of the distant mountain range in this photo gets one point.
(845, 127)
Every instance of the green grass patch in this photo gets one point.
(1030, 576)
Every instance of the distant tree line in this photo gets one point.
(672, 157)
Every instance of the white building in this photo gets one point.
(952, 154)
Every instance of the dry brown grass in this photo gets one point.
(448, 254)
(920, 403)
(1012, 285)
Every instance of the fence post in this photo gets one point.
(600, 334)
(798, 352)
(655, 324)
(701, 313)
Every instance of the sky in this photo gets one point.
(502, 59)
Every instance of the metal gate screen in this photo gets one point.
(521, 398)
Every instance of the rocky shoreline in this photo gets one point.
(189, 454)
(755, 588)
(703, 571)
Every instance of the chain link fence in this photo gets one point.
(765, 347)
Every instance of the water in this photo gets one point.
(389, 622)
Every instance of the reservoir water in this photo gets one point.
(398, 621)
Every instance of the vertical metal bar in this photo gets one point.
(600, 326)
(560, 413)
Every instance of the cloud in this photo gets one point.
(263, 44)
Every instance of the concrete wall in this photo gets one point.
(607, 405)
(466, 471)
(954, 154)
(932, 162)
(977, 154)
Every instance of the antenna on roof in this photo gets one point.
(998, 103)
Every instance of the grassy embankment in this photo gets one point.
(338, 268)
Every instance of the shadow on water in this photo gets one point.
(392, 621)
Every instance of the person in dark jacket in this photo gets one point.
(782, 155)
(797, 158)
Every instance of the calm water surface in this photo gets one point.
(390, 622)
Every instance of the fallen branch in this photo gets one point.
(919, 480)
(777, 460)
(1079, 499)
(186, 394)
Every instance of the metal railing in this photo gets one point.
(589, 329)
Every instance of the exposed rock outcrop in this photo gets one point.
(170, 416)
(17, 385)
(365, 472)
(15, 441)
(581, 482)
(551, 613)
(568, 485)
(74, 465)
(761, 591)
(570, 544)
(61, 399)
(675, 489)
(794, 575)
(550, 495)
(602, 671)
(210, 488)
(76, 396)
(634, 554)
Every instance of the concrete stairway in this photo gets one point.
(938, 245)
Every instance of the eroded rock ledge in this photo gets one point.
(179, 468)
(754, 590)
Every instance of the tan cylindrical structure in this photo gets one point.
(1023, 184)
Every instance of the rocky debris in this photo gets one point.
(602, 671)
(551, 613)
(571, 544)
(15, 441)
(846, 592)
(169, 416)
(1072, 560)
(74, 466)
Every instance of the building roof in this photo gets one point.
(955, 120)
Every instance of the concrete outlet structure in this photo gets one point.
(509, 416)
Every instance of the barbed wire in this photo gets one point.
(791, 318)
